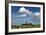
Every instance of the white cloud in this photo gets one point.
(37, 14)
(24, 11)
(22, 15)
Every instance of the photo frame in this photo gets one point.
(24, 17)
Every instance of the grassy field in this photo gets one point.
(25, 26)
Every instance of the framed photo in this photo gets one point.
(24, 17)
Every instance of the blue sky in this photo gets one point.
(18, 17)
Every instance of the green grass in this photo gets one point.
(25, 26)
